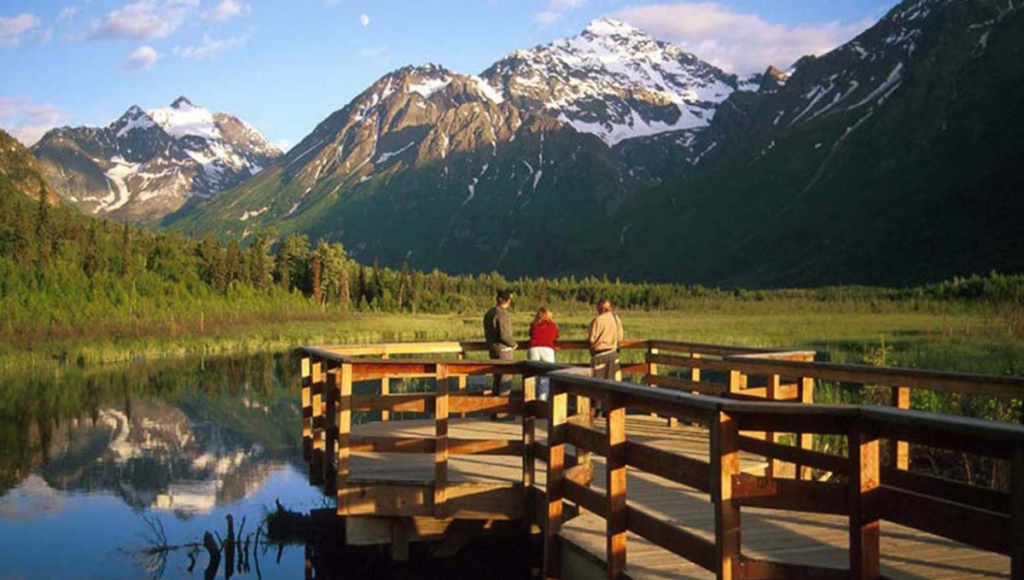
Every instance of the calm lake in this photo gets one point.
(98, 467)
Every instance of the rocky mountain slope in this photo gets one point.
(894, 159)
(147, 164)
(20, 172)
(508, 170)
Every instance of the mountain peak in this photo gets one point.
(182, 103)
(610, 27)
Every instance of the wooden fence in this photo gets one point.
(752, 401)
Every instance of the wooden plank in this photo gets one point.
(441, 442)
(344, 431)
(947, 489)
(764, 570)
(1010, 387)
(672, 466)
(725, 462)
(615, 484)
(586, 498)
(969, 525)
(673, 538)
(962, 434)
(792, 417)
(688, 385)
(865, 533)
(823, 461)
(585, 438)
(374, 370)
(556, 483)
(790, 495)
(465, 501)
(424, 403)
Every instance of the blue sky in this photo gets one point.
(284, 65)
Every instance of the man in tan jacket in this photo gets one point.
(604, 335)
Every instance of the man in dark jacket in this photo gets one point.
(500, 342)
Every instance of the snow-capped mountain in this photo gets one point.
(147, 164)
(828, 172)
(615, 82)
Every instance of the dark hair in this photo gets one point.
(604, 305)
(503, 295)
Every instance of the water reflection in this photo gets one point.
(91, 459)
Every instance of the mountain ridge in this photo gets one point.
(146, 164)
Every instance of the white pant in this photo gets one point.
(543, 354)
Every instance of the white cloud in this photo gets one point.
(556, 9)
(210, 47)
(734, 41)
(547, 17)
(68, 13)
(28, 121)
(284, 144)
(141, 58)
(364, 19)
(143, 20)
(11, 29)
(227, 10)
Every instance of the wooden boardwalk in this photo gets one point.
(770, 486)
(798, 538)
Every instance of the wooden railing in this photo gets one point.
(722, 388)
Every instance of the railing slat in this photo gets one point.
(615, 483)
(865, 533)
(725, 463)
(441, 443)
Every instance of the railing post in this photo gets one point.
(772, 387)
(316, 463)
(863, 501)
(330, 474)
(805, 386)
(307, 409)
(901, 449)
(1017, 514)
(441, 443)
(559, 403)
(385, 389)
(529, 438)
(615, 484)
(652, 370)
(344, 433)
(725, 462)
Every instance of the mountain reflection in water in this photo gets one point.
(94, 461)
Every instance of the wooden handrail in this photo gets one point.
(868, 492)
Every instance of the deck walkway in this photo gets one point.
(783, 536)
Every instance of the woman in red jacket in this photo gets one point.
(543, 334)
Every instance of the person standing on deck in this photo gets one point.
(500, 342)
(604, 336)
(543, 334)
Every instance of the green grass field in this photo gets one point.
(976, 340)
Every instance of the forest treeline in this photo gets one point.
(66, 274)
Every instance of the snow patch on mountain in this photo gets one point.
(615, 82)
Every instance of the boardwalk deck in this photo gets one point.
(786, 537)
